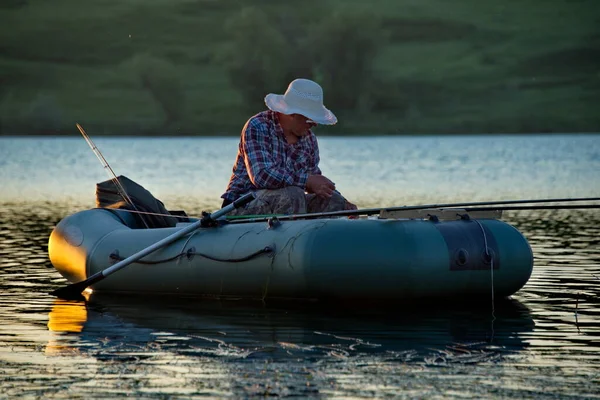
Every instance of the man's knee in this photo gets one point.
(293, 192)
(287, 200)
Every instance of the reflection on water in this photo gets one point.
(304, 346)
(292, 330)
(542, 342)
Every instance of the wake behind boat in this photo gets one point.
(399, 254)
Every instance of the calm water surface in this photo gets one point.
(544, 342)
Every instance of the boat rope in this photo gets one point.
(190, 253)
(491, 258)
(186, 243)
(148, 213)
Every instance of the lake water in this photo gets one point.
(544, 342)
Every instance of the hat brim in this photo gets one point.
(321, 115)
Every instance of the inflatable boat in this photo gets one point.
(315, 258)
(391, 256)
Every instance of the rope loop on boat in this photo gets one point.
(488, 257)
(190, 253)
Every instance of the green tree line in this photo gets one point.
(202, 67)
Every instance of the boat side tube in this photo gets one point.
(319, 259)
(418, 258)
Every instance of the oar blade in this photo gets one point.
(71, 292)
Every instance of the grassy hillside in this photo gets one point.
(201, 67)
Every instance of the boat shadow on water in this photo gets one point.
(126, 328)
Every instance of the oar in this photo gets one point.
(373, 211)
(73, 291)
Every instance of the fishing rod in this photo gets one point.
(111, 173)
(374, 211)
(546, 207)
(259, 218)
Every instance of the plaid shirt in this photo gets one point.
(266, 161)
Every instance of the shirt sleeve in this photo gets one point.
(263, 170)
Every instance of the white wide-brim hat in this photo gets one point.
(303, 97)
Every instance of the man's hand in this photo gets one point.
(350, 206)
(320, 185)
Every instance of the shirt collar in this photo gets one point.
(278, 128)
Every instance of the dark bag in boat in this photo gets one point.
(108, 196)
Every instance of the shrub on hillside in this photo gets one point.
(256, 58)
(40, 114)
(44, 113)
(160, 78)
(342, 49)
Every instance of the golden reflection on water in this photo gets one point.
(65, 317)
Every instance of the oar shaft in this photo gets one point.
(173, 237)
(144, 252)
(73, 291)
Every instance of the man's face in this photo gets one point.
(301, 125)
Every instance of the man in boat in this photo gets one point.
(278, 157)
